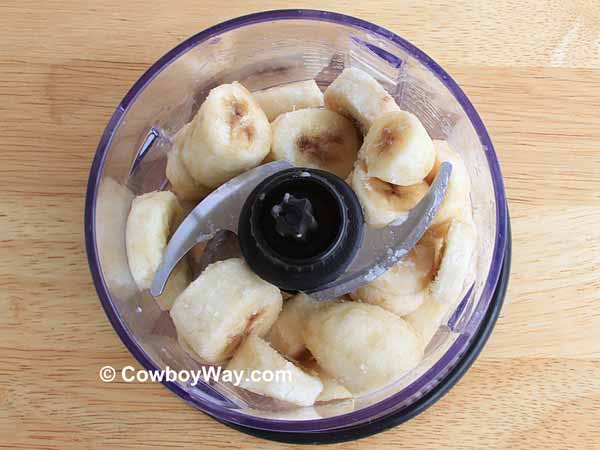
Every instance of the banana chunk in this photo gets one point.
(362, 346)
(382, 202)
(182, 183)
(456, 203)
(332, 390)
(357, 95)
(428, 317)
(151, 221)
(457, 253)
(226, 303)
(316, 138)
(112, 208)
(453, 259)
(259, 362)
(397, 149)
(405, 286)
(229, 135)
(286, 334)
(289, 97)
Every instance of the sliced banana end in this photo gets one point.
(226, 303)
(357, 95)
(152, 219)
(332, 389)
(342, 336)
(148, 229)
(397, 149)
(286, 334)
(229, 135)
(289, 97)
(456, 259)
(182, 183)
(457, 201)
(404, 287)
(454, 243)
(316, 138)
(258, 361)
(427, 319)
(382, 202)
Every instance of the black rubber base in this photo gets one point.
(386, 422)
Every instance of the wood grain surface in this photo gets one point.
(532, 68)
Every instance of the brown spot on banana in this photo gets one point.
(386, 140)
(315, 146)
(239, 109)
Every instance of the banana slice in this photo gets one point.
(259, 361)
(332, 390)
(456, 203)
(148, 229)
(223, 305)
(459, 246)
(384, 203)
(182, 183)
(397, 149)
(289, 97)
(152, 219)
(362, 346)
(316, 138)
(229, 135)
(405, 287)
(455, 257)
(357, 95)
(112, 208)
(428, 317)
(286, 334)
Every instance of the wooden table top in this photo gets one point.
(531, 68)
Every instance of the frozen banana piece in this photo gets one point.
(382, 202)
(316, 138)
(405, 286)
(294, 386)
(457, 253)
(455, 257)
(357, 95)
(428, 317)
(286, 334)
(182, 183)
(229, 135)
(332, 389)
(289, 97)
(362, 346)
(457, 202)
(112, 208)
(397, 149)
(226, 303)
(151, 221)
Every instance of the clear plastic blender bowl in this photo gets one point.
(264, 50)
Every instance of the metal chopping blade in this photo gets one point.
(219, 211)
(381, 248)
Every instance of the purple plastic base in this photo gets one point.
(384, 407)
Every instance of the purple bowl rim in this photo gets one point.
(382, 407)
